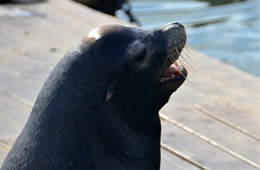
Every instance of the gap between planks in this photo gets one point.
(234, 86)
(4, 146)
(182, 156)
(72, 14)
(227, 123)
(19, 125)
(204, 138)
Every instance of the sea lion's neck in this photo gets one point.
(140, 112)
(138, 133)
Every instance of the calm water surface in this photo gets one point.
(225, 29)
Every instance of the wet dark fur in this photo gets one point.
(73, 125)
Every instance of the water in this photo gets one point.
(224, 29)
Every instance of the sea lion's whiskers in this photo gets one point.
(187, 66)
(192, 85)
(191, 67)
(179, 53)
(193, 71)
(186, 52)
(192, 74)
(193, 81)
(182, 63)
(174, 51)
(183, 75)
(189, 52)
(184, 55)
(172, 58)
(175, 45)
(187, 49)
(186, 58)
(182, 59)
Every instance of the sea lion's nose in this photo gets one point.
(173, 25)
(178, 25)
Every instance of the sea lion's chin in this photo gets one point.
(172, 78)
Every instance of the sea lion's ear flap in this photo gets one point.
(137, 51)
(110, 91)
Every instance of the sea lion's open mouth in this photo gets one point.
(172, 77)
(172, 72)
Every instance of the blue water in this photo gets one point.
(224, 29)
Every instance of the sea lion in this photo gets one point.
(98, 109)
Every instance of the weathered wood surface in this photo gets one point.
(213, 119)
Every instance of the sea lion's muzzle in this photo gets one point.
(174, 74)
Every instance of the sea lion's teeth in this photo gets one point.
(178, 72)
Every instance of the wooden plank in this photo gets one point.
(182, 156)
(8, 132)
(209, 141)
(228, 137)
(40, 44)
(227, 74)
(18, 87)
(240, 117)
(44, 47)
(14, 111)
(79, 12)
(200, 151)
(170, 161)
(224, 98)
(2, 155)
(29, 71)
(233, 139)
(225, 89)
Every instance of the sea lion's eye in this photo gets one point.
(141, 55)
(138, 51)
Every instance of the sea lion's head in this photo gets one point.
(133, 63)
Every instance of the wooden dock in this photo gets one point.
(211, 122)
